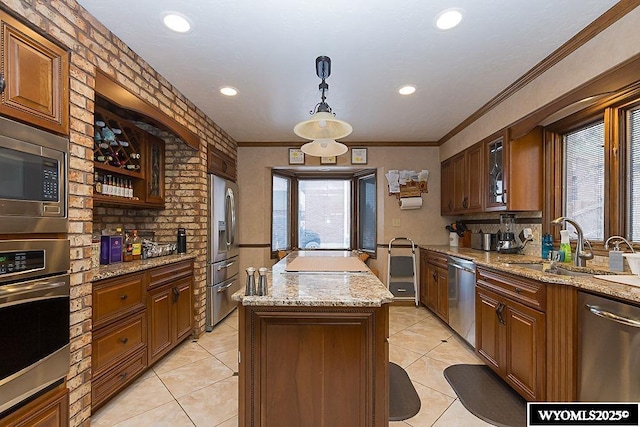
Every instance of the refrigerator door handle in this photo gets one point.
(222, 267)
(225, 287)
(231, 212)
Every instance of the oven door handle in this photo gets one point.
(19, 293)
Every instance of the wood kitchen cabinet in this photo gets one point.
(137, 318)
(128, 156)
(313, 366)
(462, 186)
(511, 330)
(513, 178)
(424, 276)
(437, 284)
(34, 79)
(48, 410)
(170, 307)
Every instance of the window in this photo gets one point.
(281, 213)
(584, 172)
(330, 211)
(633, 136)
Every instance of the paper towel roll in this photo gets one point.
(410, 203)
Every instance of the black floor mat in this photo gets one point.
(404, 401)
(486, 395)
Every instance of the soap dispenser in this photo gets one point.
(616, 261)
(565, 246)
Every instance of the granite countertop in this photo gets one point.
(318, 288)
(505, 262)
(122, 268)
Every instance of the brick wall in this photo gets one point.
(92, 46)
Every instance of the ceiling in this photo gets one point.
(267, 50)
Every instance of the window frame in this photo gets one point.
(612, 110)
(295, 176)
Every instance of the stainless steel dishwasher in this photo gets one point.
(462, 298)
(608, 350)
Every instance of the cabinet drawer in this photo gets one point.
(113, 343)
(117, 297)
(438, 259)
(527, 292)
(170, 273)
(112, 382)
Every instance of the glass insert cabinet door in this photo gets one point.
(155, 172)
(495, 166)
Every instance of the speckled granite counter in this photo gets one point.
(318, 288)
(119, 269)
(505, 262)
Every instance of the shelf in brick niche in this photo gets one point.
(120, 157)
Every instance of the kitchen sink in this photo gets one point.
(561, 271)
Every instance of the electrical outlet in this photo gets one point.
(395, 222)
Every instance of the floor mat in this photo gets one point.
(404, 401)
(486, 395)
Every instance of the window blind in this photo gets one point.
(584, 179)
(633, 120)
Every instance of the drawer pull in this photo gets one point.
(123, 375)
(124, 297)
(124, 340)
(2, 83)
(518, 290)
(499, 309)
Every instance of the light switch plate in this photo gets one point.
(395, 222)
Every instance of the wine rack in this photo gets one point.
(127, 161)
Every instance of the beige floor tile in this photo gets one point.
(195, 376)
(433, 404)
(414, 341)
(212, 405)
(185, 354)
(428, 372)
(168, 415)
(432, 327)
(401, 356)
(455, 351)
(144, 394)
(458, 416)
(229, 358)
(231, 320)
(223, 338)
(233, 422)
(398, 424)
(405, 316)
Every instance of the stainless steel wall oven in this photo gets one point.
(34, 317)
(33, 173)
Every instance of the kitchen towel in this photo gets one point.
(410, 203)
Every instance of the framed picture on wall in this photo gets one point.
(296, 156)
(331, 160)
(358, 156)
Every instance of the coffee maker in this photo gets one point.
(508, 242)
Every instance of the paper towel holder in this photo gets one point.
(407, 203)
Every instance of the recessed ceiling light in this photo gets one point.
(176, 22)
(407, 90)
(449, 18)
(228, 91)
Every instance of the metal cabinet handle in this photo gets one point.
(499, 309)
(123, 375)
(518, 290)
(176, 294)
(450, 205)
(224, 288)
(123, 297)
(124, 340)
(3, 83)
(612, 316)
(222, 267)
(465, 203)
(434, 275)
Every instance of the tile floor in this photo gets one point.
(194, 385)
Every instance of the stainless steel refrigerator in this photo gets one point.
(222, 253)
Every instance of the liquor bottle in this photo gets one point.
(106, 187)
(97, 183)
(128, 248)
(130, 189)
(137, 245)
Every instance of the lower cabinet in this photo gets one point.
(434, 283)
(304, 366)
(510, 332)
(137, 318)
(49, 410)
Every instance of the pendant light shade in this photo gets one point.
(322, 127)
(324, 148)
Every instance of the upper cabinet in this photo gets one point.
(513, 178)
(34, 78)
(496, 174)
(461, 182)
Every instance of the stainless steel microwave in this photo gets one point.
(33, 179)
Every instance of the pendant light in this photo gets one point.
(323, 128)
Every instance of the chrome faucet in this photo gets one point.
(616, 242)
(580, 260)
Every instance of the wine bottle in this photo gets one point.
(101, 158)
(132, 167)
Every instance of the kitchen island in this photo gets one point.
(314, 351)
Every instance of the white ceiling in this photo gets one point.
(267, 50)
